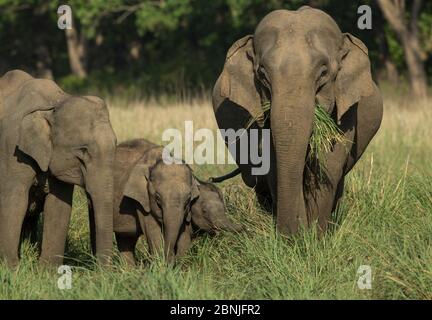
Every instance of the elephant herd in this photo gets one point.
(51, 141)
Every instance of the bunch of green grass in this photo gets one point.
(325, 133)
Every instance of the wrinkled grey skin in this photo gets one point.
(50, 141)
(297, 59)
(208, 211)
(155, 199)
(156, 195)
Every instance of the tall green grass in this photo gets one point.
(384, 221)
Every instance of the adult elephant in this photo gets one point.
(296, 60)
(50, 141)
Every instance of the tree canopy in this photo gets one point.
(174, 45)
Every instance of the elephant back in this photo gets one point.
(9, 83)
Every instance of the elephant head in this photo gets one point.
(296, 60)
(208, 212)
(166, 193)
(72, 139)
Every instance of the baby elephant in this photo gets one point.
(161, 201)
(208, 211)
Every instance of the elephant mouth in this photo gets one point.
(325, 134)
(70, 177)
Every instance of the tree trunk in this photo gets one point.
(388, 71)
(407, 31)
(77, 50)
(416, 68)
(391, 72)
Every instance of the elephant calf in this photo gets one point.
(161, 201)
(49, 142)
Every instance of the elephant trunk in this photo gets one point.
(172, 223)
(228, 225)
(220, 221)
(100, 187)
(291, 117)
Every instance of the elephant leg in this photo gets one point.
(322, 197)
(153, 233)
(339, 194)
(126, 246)
(57, 211)
(29, 228)
(320, 200)
(185, 240)
(13, 208)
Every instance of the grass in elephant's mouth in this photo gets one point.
(325, 133)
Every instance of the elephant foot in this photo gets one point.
(129, 258)
(104, 260)
(11, 262)
(50, 261)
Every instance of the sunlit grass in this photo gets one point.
(385, 221)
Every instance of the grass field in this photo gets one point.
(385, 221)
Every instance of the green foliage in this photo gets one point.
(325, 134)
(395, 49)
(425, 26)
(162, 17)
(180, 43)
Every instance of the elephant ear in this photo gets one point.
(136, 186)
(194, 189)
(189, 216)
(35, 137)
(354, 79)
(195, 193)
(237, 80)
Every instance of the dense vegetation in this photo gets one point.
(385, 222)
(176, 46)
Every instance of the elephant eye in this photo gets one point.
(158, 199)
(263, 75)
(81, 151)
(82, 154)
(323, 72)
